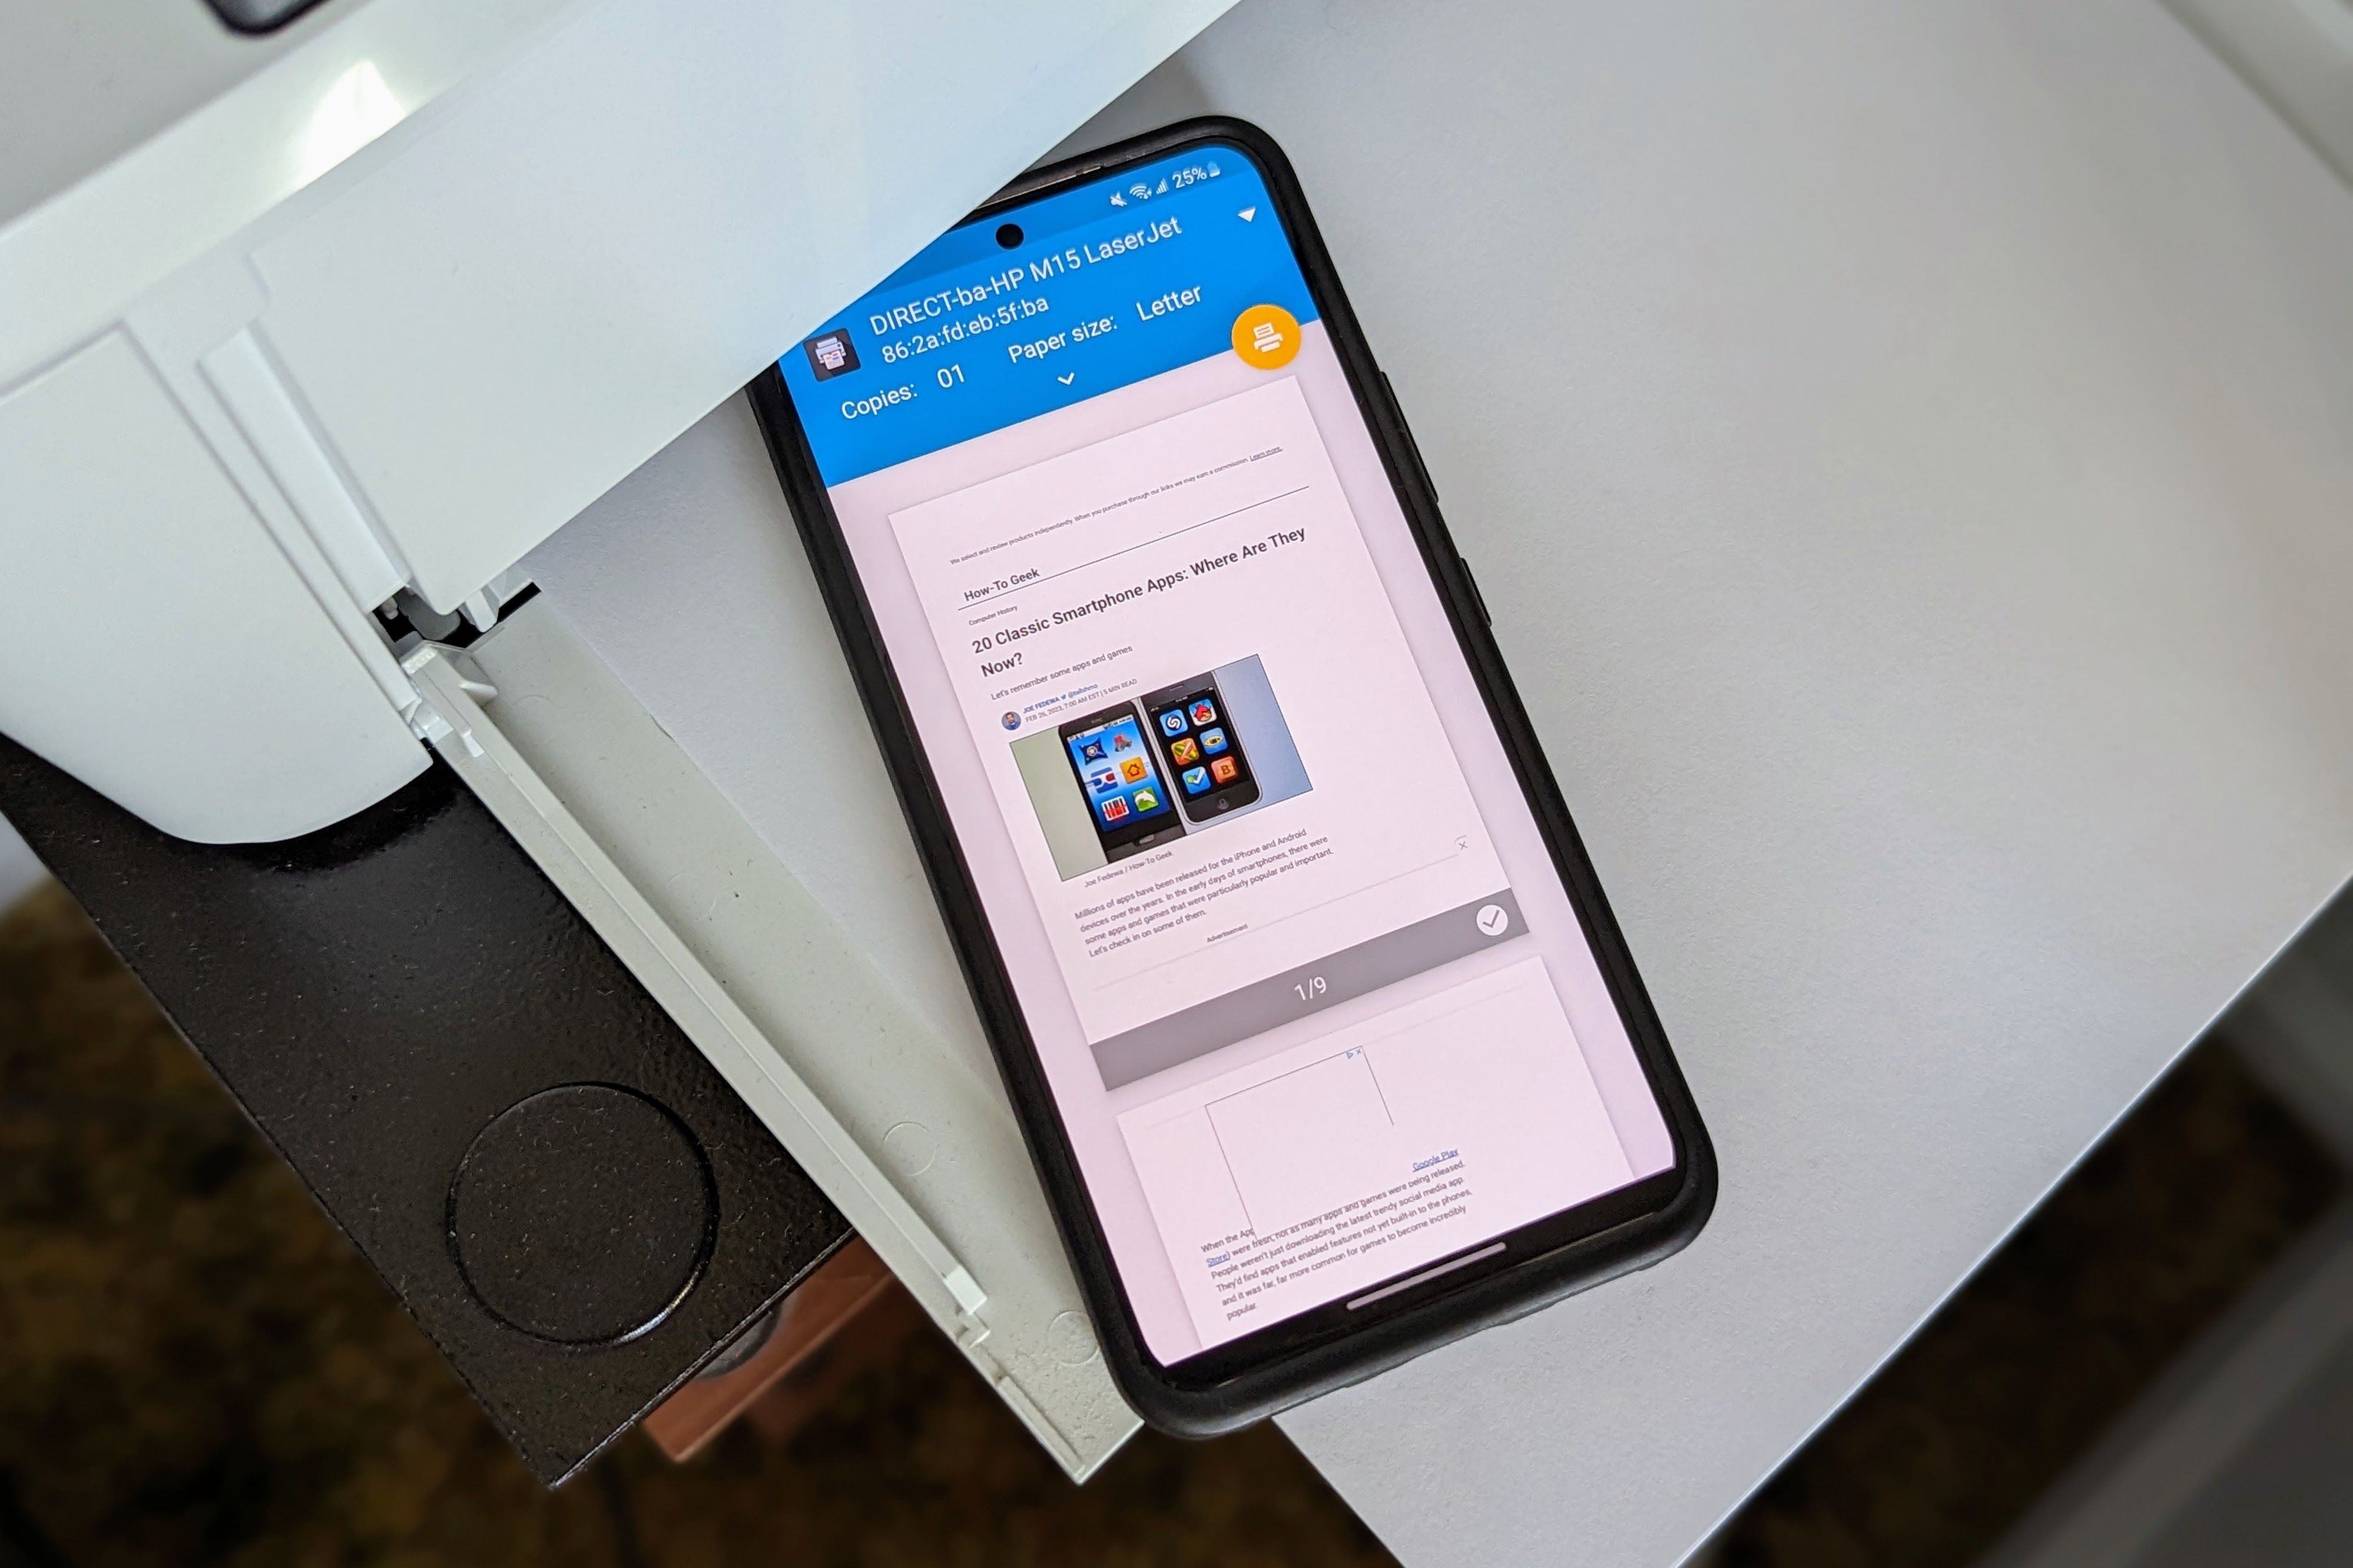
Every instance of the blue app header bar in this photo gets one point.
(1111, 282)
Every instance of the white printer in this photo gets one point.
(309, 335)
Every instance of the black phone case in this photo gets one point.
(1182, 1399)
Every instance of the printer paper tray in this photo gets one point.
(884, 1113)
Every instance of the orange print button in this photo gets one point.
(1266, 336)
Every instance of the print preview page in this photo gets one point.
(1213, 550)
(1205, 573)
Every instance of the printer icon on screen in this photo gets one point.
(830, 353)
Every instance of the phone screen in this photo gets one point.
(1132, 805)
(1203, 748)
(1132, 553)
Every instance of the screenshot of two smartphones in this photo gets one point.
(1149, 766)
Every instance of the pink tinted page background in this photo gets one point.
(864, 506)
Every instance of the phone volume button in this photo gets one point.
(1412, 447)
(1478, 599)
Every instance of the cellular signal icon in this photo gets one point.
(1161, 188)
(1140, 191)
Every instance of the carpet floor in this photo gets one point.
(196, 1369)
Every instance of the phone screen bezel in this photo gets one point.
(1327, 1347)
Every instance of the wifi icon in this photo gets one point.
(1139, 190)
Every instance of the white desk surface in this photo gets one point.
(1908, 453)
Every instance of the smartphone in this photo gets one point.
(1198, 739)
(1334, 1078)
(1131, 806)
